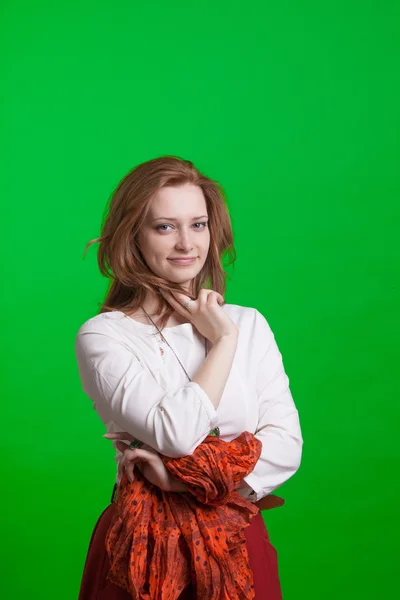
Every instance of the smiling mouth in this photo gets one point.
(183, 261)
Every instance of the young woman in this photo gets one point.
(167, 361)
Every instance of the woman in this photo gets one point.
(167, 361)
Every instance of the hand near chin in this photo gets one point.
(205, 313)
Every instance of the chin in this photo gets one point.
(175, 276)
(180, 280)
(184, 278)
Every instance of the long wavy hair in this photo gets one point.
(119, 256)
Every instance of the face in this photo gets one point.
(176, 227)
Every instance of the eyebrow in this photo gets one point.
(171, 219)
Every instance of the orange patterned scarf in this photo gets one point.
(161, 542)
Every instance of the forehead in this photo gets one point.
(183, 202)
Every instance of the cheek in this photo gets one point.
(154, 245)
(206, 241)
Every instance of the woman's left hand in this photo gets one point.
(148, 461)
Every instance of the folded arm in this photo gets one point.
(124, 391)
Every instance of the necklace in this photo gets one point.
(168, 344)
(215, 432)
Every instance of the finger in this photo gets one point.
(132, 456)
(140, 466)
(204, 297)
(121, 446)
(215, 299)
(119, 435)
(140, 454)
(121, 468)
(177, 300)
(182, 299)
(129, 456)
(128, 466)
(173, 302)
(129, 471)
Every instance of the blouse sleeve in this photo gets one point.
(124, 391)
(278, 421)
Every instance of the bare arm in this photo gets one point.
(173, 423)
(214, 370)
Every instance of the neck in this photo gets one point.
(150, 305)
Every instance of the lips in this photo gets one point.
(183, 261)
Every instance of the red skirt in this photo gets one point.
(262, 557)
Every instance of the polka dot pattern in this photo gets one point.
(160, 542)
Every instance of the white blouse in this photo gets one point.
(138, 388)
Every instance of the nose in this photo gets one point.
(184, 241)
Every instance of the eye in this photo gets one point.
(159, 227)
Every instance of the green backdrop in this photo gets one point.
(293, 107)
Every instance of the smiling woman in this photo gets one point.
(211, 423)
(181, 240)
(162, 212)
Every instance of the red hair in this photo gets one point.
(121, 260)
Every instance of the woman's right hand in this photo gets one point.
(205, 313)
(147, 460)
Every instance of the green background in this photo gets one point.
(293, 107)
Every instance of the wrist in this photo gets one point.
(228, 339)
(176, 486)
